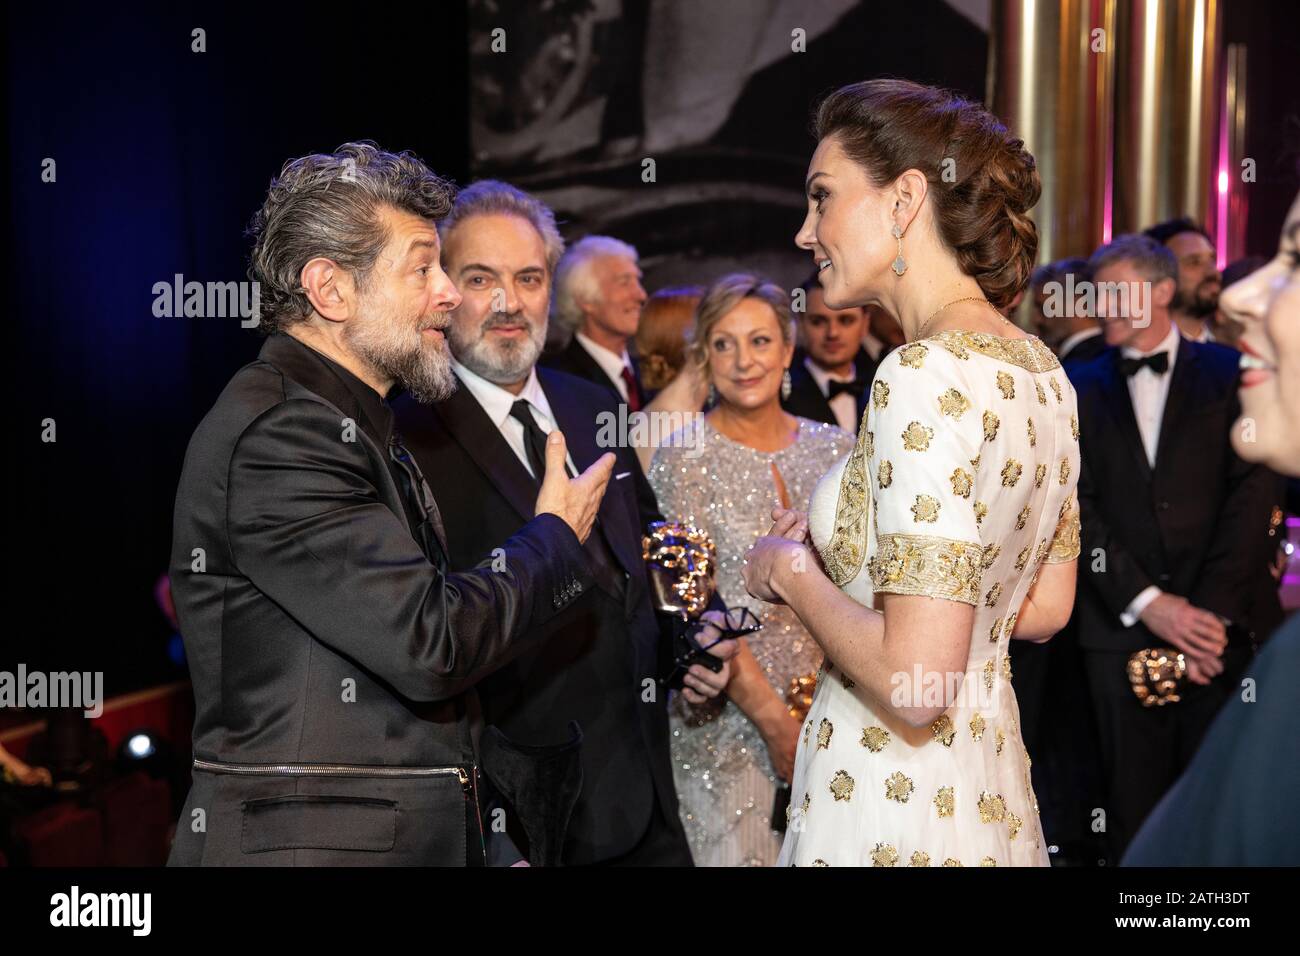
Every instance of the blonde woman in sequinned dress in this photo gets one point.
(952, 527)
(724, 477)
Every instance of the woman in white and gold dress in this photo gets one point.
(952, 527)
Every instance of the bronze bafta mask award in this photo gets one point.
(682, 563)
(1156, 675)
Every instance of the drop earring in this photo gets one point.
(785, 385)
(900, 264)
(713, 395)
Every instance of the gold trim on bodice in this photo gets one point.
(1030, 354)
(927, 565)
(844, 552)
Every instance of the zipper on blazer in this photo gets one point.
(332, 770)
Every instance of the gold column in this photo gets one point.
(1166, 111)
(1050, 77)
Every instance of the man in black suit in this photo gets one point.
(1196, 299)
(331, 650)
(598, 301)
(597, 663)
(1173, 524)
(831, 374)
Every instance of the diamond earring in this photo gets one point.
(785, 384)
(713, 395)
(900, 264)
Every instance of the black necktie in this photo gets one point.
(1158, 363)
(534, 438)
(853, 387)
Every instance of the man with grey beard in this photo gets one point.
(577, 724)
(332, 650)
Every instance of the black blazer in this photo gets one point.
(806, 399)
(573, 359)
(330, 658)
(1196, 525)
(596, 662)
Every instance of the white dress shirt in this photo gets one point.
(611, 363)
(1149, 392)
(843, 405)
(497, 402)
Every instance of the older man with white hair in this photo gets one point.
(598, 298)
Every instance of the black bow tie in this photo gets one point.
(1158, 363)
(853, 387)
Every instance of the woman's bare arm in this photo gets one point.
(1048, 605)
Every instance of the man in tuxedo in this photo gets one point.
(597, 663)
(598, 301)
(1174, 528)
(1199, 283)
(331, 649)
(1075, 337)
(831, 375)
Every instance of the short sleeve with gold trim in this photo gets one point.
(922, 447)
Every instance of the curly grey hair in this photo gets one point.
(327, 205)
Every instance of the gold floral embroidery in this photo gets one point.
(962, 482)
(912, 355)
(870, 446)
(879, 393)
(885, 473)
(994, 595)
(884, 855)
(975, 462)
(874, 738)
(1011, 473)
(988, 861)
(807, 729)
(920, 859)
(1042, 399)
(1065, 471)
(1056, 389)
(943, 730)
(926, 509)
(1074, 426)
(1066, 544)
(1040, 472)
(898, 787)
(1041, 551)
(981, 511)
(992, 807)
(1006, 666)
(1014, 824)
(1023, 558)
(989, 673)
(844, 552)
(1022, 518)
(1006, 385)
(977, 726)
(954, 403)
(995, 631)
(819, 862)
(991, 552)
(1030, 353)
(1011, 623)
(824, 731)
(841, 785)
(944, 801)
(990, 426)
(1033, 436)
(1000, 738)
(951, 862)
(925, 565)
(917, 436)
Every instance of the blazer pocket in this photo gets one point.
(318, 822)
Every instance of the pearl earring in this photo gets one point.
(900, 264)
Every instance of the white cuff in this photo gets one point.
(1139, 604)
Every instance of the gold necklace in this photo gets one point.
(970, 298)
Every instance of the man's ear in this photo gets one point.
(1162, 293)
(329, 288)
(909, 192)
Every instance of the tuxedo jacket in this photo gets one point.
(331, 659)
(591, 663)
(573, 359)
(1195, 525)
(806, 399)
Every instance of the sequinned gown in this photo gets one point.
(725, 781)
(961, 484)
